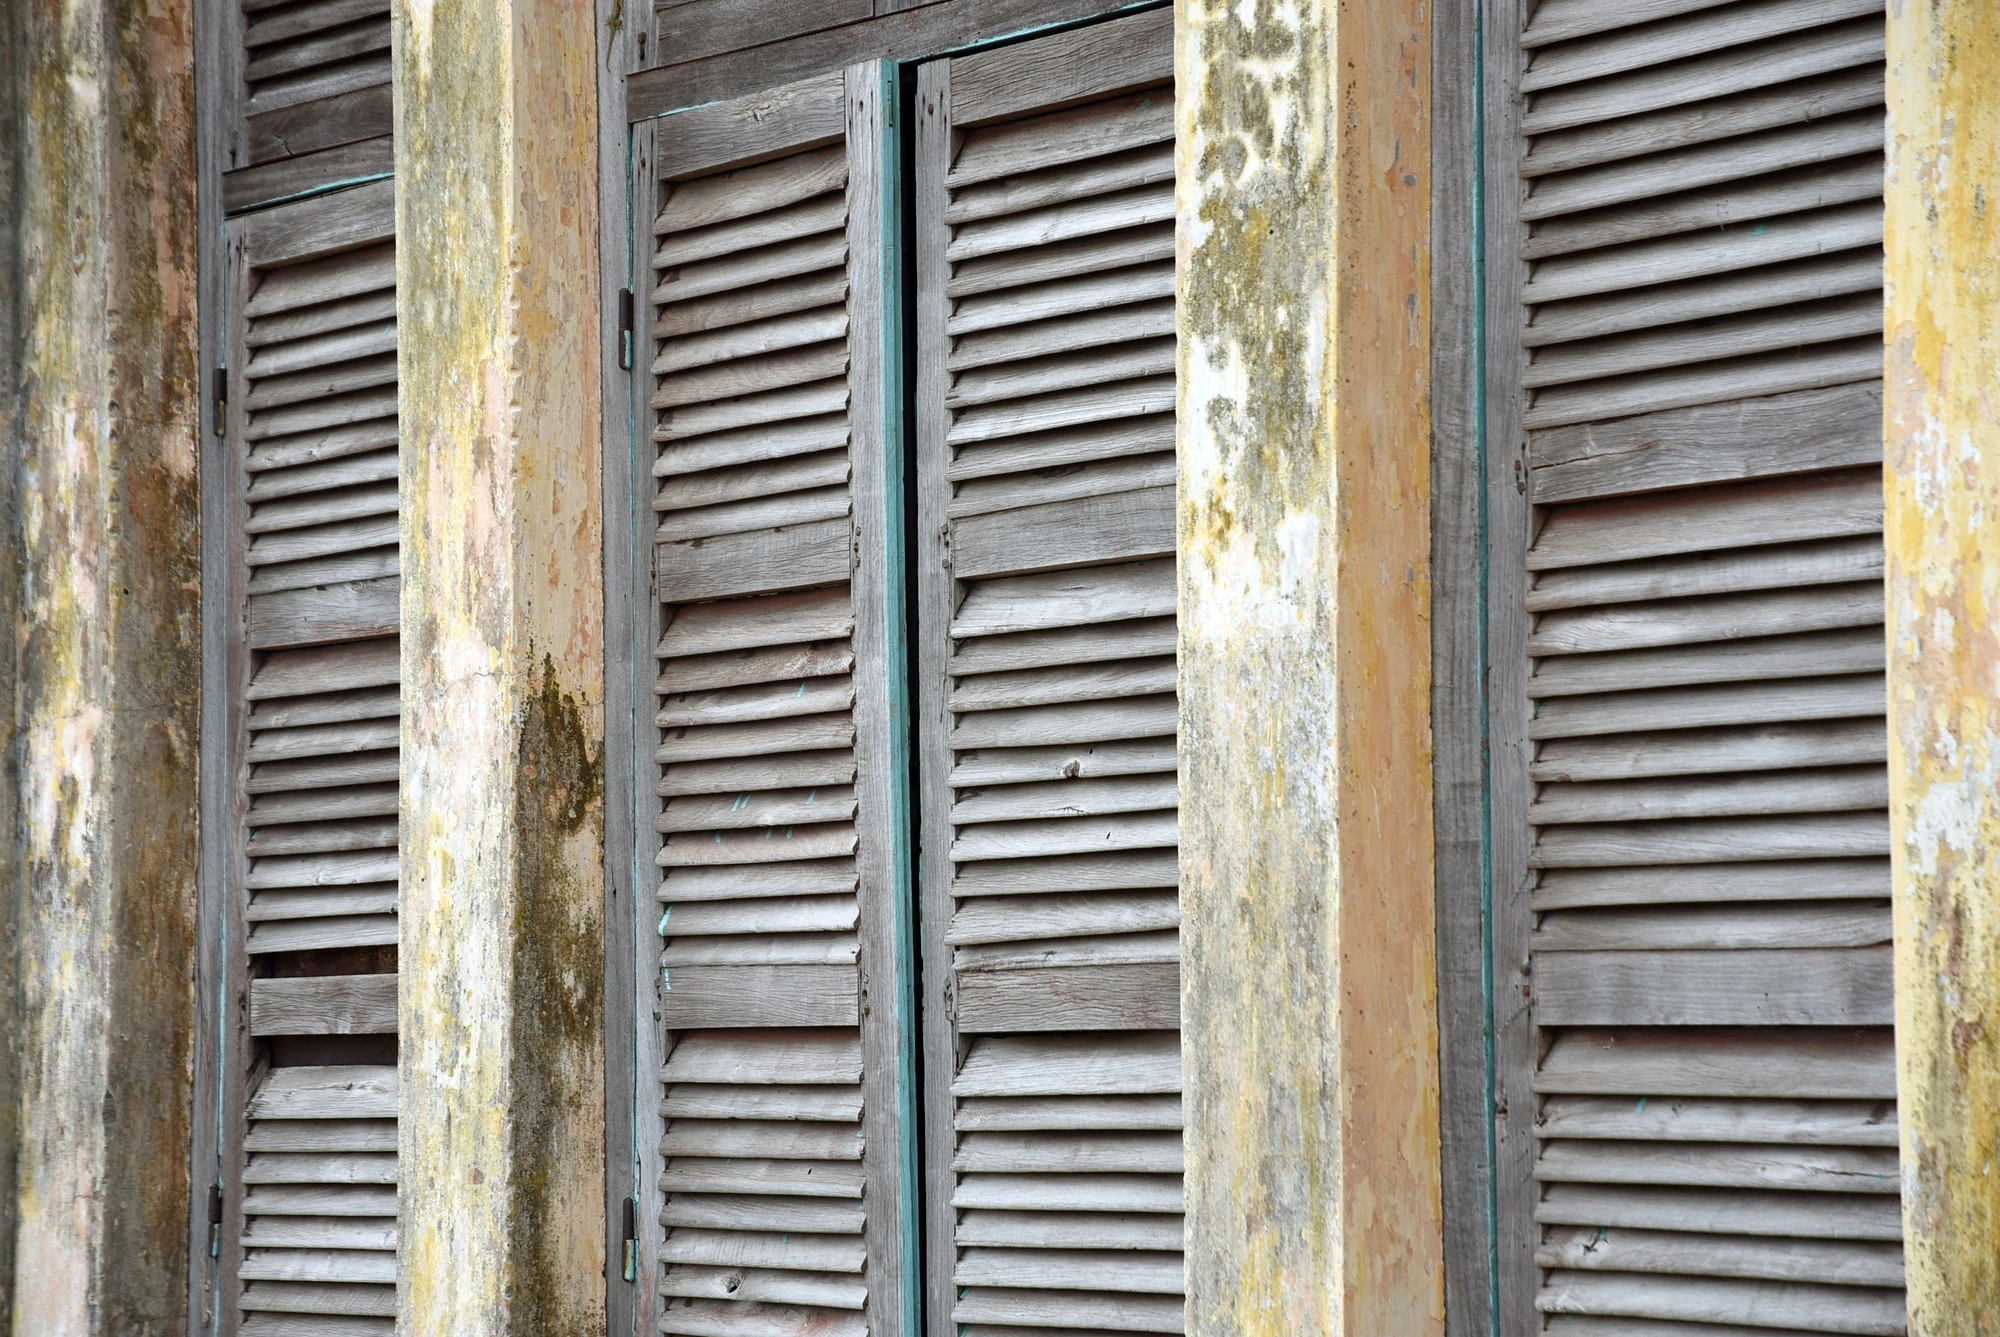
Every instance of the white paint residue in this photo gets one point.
(1949, 815)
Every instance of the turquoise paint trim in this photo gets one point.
(327, 188)
(1480, 427)
(902, 844)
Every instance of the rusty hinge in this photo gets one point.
(625, 328)
(222, 401)
(631, 1242)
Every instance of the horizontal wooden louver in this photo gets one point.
(1700, 213)
(777, 1190)
(315, 75)
(1044, 204)
(313, 434)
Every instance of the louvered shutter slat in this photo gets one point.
(1703, 814)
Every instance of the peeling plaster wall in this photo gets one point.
(1309, 996)
(502, 1041)
(103, 583)
(1943, 537)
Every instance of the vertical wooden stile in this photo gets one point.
(1043, 204)
(1688, 793)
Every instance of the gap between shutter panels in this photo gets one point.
(1712, 973)
(321, 721)
(1057, 473)
(759, 825)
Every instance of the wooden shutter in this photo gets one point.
(310, 76)
(309, 1237)
(1689, 739)
(776, 463)
(1044, 206)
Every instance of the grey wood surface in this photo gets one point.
(901, 32)
(312, 228)
(1082, 65)
(937, 602)
(1458, 670)
(345, 118)
(1509, 530)
(324, 1005)
(749, 128)
(308, 173)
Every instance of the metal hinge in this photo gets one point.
(631, 1242)
(215, 1220)
(625, 328)
(222, 401)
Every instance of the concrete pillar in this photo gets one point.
(1309, 1002)
(1943, 537)
(502, 1057)
(100, 580)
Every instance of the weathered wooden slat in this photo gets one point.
(1815, 367)
(795, 695)
(752, 445)
(821, 615)
(738, 775)
(322, 1135)
(756, 1212)
(739, 1137)
(758, 738)
(1698, 751)
(1838, 1123)
(771, 845)
(754, 337)
(1096, 61)
(326, 1297)
(1805, 655)
(1072, 1270)
(375, 1167)
(1066, 599)
(1072, 835)
(1082, 682)
(1793, 510)
(1795, 56)
(821, 213)
(809, 1104)
(1047, 1152)
(1856, 1216)
(1067, 798)
(825, 877)
(317, 935)
(731, 566)
(1074, 369)
(1827, 562)
(1802, 987)
(1719, 840)
(326, 613)
(1074, 1193)
(1820, 186)
(1806, 698)
(1735, 112)
(1027, 1113)
(1837, 1262)
(1016, 918)
(789, 510)
(723, 196)
(1071, 1065)
(690, 318)
(1562, 20)
(1831, 1064)
(1062, 647)
(1079, 998)
(1714, 1300)
(1721, 1165)
(1617, 270)
(1072, 1230)
(275, 717)
(746, 996)
(704, 1318)
(725, 274)
(737, 1248)
(1048, 184)
(1779, 612)
(1702, 342)
(1694, 34)
(1052, 139)
(375, 407)
(744, 668)
(751, 1175)
(326, 1093)
(750, 129)
(1069, 279)
(321, 1200)
(1073, 872)
(1813, 879)
(1682, 927)
(1068, 408)
(808, 949)
(1067, 724)
(728, 1057)
(1846, 789)
(324, 805)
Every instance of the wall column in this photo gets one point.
(1943, 537)
(1309, 1002)
(502, 1037)
(100, 578)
